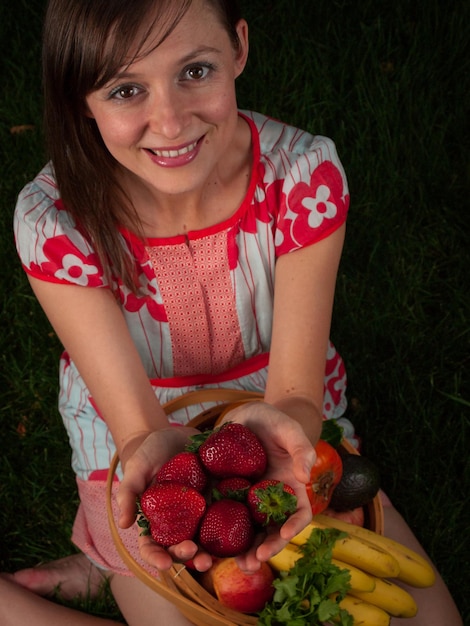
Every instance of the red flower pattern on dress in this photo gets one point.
(135, 302)
(312, 207)
(68, 263)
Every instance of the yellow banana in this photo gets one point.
(360, 581)
(389, 597)
(285, 559)
(415, 570)
(363, 613)
(358, 552)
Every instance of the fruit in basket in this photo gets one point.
(230, 450)
(172, 512)
(324, 476)
(226, 529)
(185, 468)
(359, 484)
(239, 590)
(414, 569)
(234, 488)
(271, 502)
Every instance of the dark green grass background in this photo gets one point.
(389, 82)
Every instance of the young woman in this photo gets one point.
(174, 243)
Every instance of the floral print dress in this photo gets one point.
(203, 315)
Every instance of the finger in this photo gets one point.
(155, 555)
(249, 562)
(303, 459)
(183, 551)
(202, 561)
(273, 544)
(295, 524)
(126, 500)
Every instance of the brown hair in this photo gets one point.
(85, 43)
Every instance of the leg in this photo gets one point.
(20, 606)
(139, 604)
(72, 576)
(435, 604)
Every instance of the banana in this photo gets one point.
(363, 613)
(360, 581)
(358, 552)
(286, 558)
(389, 597)
(415, 570)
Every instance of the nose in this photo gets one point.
(168, 113)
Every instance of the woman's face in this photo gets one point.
(171, 116)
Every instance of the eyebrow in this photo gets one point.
(186, 59)
(198, 51)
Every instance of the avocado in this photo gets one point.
(359, 483)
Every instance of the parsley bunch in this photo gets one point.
(309, 593)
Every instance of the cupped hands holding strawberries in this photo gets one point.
(169, 471)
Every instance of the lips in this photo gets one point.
(177, 156)
(175, 152)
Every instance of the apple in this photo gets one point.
(239, 590)
(354, 516)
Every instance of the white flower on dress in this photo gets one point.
(319, 207)
(75, 270)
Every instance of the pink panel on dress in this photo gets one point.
(195, 283)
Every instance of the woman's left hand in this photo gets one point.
(290, 459)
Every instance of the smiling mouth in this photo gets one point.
(173, 154)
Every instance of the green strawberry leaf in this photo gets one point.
(331, 432)
(142, 521)
(275, 503)
(196, 441)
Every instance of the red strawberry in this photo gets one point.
(271, 502)
(173, 512)
(226, 529)
(232, 450)
(184, 468)
(235, 488)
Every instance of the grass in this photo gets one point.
(389, 82)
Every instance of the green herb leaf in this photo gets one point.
(305, 594)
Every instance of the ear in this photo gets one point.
(241, 55)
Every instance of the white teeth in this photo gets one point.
(175, 153)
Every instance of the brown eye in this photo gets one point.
(197, 72)
(124, 92)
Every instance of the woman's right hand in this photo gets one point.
(141, 458)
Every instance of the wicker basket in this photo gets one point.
(178, 585)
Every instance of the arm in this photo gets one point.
(92, 329)
(289, 421)
(303, 303)
(90, 325)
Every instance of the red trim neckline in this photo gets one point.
(224, 225)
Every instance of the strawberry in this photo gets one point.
(173, 512)
(185, 468)
(235, 488)
(271, 502)
(226, 529)
(231, 450)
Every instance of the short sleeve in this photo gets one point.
(314, 197)
(49, 244)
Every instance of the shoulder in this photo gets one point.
(285, 144)
(39, 201)
(49, 244)
(301, 178)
